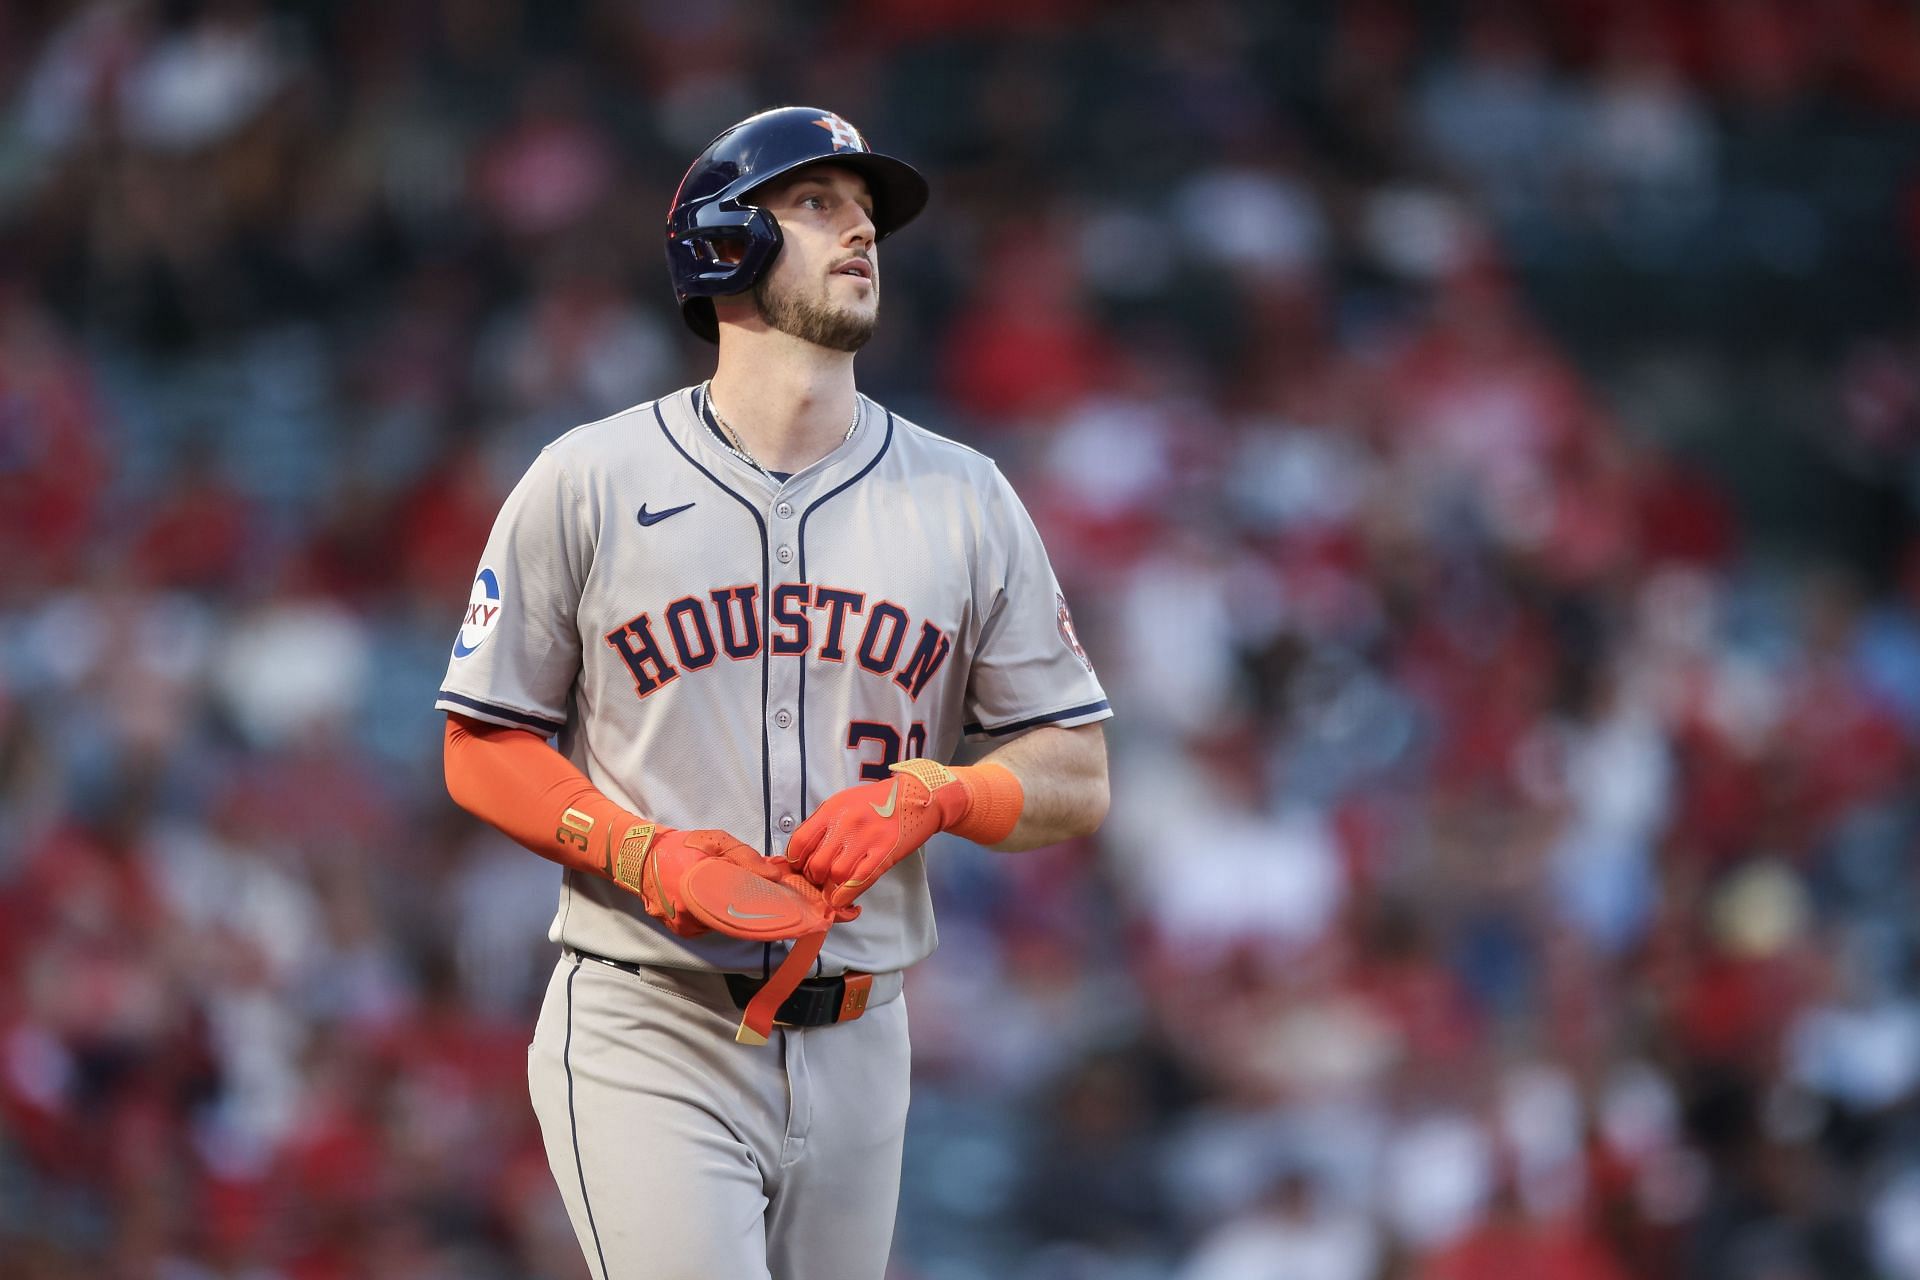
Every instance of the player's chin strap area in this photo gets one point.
(756, 1024)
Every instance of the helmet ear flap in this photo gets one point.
(720, 262)
(723, 248)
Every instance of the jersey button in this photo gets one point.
(783, 717)
(784, 555)
(784, 511)
(786, 822)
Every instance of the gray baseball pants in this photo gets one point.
(682, 1155)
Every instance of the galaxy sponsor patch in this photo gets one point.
(483, 611)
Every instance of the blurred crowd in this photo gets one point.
(1481, 443)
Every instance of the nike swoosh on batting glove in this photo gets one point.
(694, 881)
(859, 834)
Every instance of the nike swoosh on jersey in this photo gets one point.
(647, 517)
(750, 915)
(893, 795)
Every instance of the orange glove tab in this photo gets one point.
(859, 834)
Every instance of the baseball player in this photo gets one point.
(758, 616)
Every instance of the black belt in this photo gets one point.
(816, 1002)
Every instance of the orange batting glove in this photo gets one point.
(859, 834)
(693, 881)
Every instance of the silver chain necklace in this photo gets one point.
(735, 443)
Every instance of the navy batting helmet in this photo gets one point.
(713, 205)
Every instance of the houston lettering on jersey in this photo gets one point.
(831, 623)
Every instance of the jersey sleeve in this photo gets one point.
(518, 649)
(1029, 668)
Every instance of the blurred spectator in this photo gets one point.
(1293, 1234)
(53, 463)
(1509, 1244)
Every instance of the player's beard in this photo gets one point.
(815, 320)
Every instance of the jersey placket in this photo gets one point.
(783, 711)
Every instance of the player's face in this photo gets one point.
(825, 284)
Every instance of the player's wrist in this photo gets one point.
(629, 847)
(594, 834)
(981, 802)
(995, 800)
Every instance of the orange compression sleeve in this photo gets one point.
(511, 779)
(994, 801)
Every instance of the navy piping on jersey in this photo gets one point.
(801, 539)
(766, 621)
(573, 1123)
(1001, 731)
(549, 727)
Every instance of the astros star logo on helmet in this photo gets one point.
(844, 134)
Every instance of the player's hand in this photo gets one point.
(693, 881)
(859, 834)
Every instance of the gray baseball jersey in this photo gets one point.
(717, 648)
